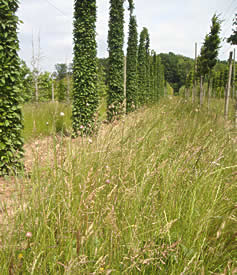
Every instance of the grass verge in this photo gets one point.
(154, 193)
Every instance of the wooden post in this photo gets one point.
(227, 94)
(195, 72)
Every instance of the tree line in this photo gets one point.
(219, 77)
(127, 81)
(84, 82)
(133, 80)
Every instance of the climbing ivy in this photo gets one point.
(154, 77)
(141, 69)
(116, 60)
(148, 93)
(85, 97)
(11, 143)
(132, 50)
(160, 78)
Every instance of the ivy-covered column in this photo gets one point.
(11, 143)
(160, 78)
(116, 60)
(141, 68)
(132, 50)
(147, 61)
(85, 97)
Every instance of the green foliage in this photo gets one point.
(141, 70)
(26, 80)
(85, 97)
(115, 97)
(61, 89)
(209, 50)
(11, 143)
(101, 81)
(176, 68)
(148, 91)
(156, 78)
(153, 75)
(160, 78)
(233, 38)
(45, 86)
(61, 71)
(189, 80)
(132, 52)
(104, 62)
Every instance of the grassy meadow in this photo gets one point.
(153, 193)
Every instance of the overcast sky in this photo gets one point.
(174, 26)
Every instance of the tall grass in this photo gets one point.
(154, 193)
(44, 119)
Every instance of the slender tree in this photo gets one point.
(233, 38)
(228, 87)
(153, 74)
(142, 67)
(189, 83)
(11, 143)
(148, 95)
(160, 78)
(85, 97)
(132, 51)
(116, 60)
(209, 54)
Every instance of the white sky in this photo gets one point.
(174, 26)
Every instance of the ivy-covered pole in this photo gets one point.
(148, 66)
(153, 76)
(85, 97)
(209, 54)
(214, 84)
(11, 143)
(115, 97)
(141, 69)
(160, 78)
(131, 92)
(188, 83)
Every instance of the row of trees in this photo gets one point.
(56, 86)
(218, 83)
(219, 78)
(144, 75)
(132, 81)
